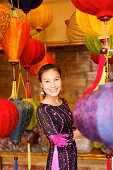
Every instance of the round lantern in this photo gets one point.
(4, 20)
(90, 25)
(32, 53)
(9, 116)
(34, 121)
(15, 38)
(93, 44)
(39, 18)
(25, 5)
(25, 114)
(72, 31)
(96, 58)
(101, 8)
(48, 59)
(93, 115)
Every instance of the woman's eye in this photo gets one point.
(46, 81)
(56, 79)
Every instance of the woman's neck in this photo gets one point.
(55, 101)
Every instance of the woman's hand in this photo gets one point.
(76, 134)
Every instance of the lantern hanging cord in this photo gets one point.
(20, 77)
(18, 4)
(105, 40)
(13, 73)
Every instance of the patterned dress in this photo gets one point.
(56, 122)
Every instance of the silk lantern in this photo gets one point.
(25, 114)
(93, 44)
(90, 25)
(9, 116)
(34, 121)
(101, 8)
(48, 59)
(4, 20)
(39, 18)
(15, 38)
(25, 5)
(93, 115)
(32, 53)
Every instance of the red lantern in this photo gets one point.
(32, 53)
(9, 116)
(15, 38)
(95, 58)
(48, 59)
(103, 9)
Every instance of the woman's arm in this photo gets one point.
(76, 134)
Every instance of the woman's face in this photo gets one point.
(51, 83)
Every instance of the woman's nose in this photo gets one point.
(52, 84)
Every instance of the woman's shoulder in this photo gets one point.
(64, 101)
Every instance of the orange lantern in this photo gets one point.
(15, 38)
(48, 59)
(39, 18)
(4, 20)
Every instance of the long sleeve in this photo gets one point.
(50, 128)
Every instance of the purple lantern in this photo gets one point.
(93, 115)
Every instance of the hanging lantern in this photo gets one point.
(72, 31)
(95, 58)
(39, 18)
(25, 114)
(32, 53)
(93, 44)
(4, 21)
(101, 8)
(48, 59)
(25, 5)
(90, 25)
(9, 116)
(93, 115)
(34, 121)
(15, 38)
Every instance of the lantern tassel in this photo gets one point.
(16, 165)
(98, 75)
(28, 90)
(14, 93)
(21, 78)
(29, 155)
(16, 158)
(108, 156)
(108, 164)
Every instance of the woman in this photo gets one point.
(55, 118)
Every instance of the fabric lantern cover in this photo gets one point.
(32, 53)
(93, 44)
(95, 58)
(9, 116)
(48, 59)
(39, 18)
(90, 25)
(25, 114)
(100, 8)
(4, 21)
(93, 115)
(34, 121)
(25, 5)
(15, 38)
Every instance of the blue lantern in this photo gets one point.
(93, 115)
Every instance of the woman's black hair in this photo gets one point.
(47, 67)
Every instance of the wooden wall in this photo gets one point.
(78, 72)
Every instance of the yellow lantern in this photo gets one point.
(39, 18)
(90, 25)
(4, 20)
